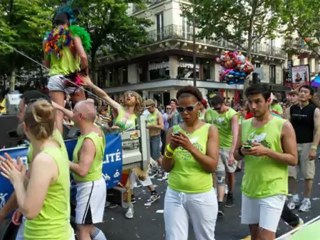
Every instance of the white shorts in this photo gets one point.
(57, 83)
(265, 212)
(91, 200)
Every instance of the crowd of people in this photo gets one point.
(197, 145)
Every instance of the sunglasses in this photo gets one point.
(188, 108)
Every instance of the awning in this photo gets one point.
(279, 88)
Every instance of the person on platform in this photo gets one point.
(65, 49)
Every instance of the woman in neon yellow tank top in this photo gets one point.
(45, 199)
(191, 157)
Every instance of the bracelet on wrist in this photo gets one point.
(169, 149)
(314, 147)
(166, 155)
(239, 151)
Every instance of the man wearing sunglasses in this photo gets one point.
(226, 120)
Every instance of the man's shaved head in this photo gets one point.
(87, 109)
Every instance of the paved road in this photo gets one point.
(148, 224)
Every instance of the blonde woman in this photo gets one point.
(44, 201)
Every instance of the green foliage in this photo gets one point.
(302, 21)
(22, 25)
(240, 22)
(112, 31)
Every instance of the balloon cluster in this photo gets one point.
(235, 67)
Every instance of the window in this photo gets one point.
(159, 22)
(186, 29)
(272, 73)
(258, 65)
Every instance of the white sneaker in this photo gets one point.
(305, 205)
(130, 212)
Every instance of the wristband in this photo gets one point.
(166, 155)
(239, 151)
(169, 149)
(314, 147)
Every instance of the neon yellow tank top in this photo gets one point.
(67, 64)
(95, 171)
(125, 124)
(187, 174)
(56, 135)
(152, 117)
(264, 176)
(53, 221)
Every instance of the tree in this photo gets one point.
(302, 21)
(239, 22)
(22, 26)
(113, 32)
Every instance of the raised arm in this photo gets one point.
(86, 81)
(65, 111)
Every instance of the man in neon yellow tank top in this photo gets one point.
(268, 145)
(87, 172)
(226, 120)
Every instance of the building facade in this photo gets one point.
(166, 63)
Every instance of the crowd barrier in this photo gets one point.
(112, 163)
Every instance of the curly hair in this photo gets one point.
(190, 90)
(139, 104)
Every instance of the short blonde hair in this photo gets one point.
(39, 118)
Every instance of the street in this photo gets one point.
(148, 221)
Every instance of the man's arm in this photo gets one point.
(289, 155)
(316, 134)
(86, 157)
(235, 132)
(236, 154)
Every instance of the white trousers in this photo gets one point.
(201, 209)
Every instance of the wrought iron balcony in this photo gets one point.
(176, 32)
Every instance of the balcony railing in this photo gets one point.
(180, 33)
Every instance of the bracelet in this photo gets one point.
(314, 147)
(239, 151)
(167, 156)
(169, 149)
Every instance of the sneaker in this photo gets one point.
(130, 212)
(305, 205)
(293, 202)
(133, 199)
(220, 209)
(154, 197)
(229, 202)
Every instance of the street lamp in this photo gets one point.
(194, 47)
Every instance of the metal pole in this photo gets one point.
(194, 49)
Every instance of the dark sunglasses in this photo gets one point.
(188, 108)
